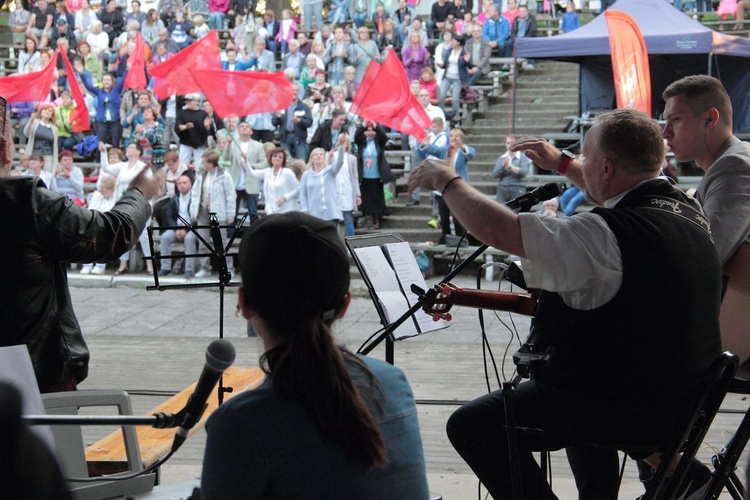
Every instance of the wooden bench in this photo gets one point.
(108, 456)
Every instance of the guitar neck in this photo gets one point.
(496, 301)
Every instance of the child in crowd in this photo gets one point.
(570, 18)
(200, 28)
(288, 30)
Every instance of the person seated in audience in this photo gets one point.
(402, 18)
(496, 31)
(477, 53)
(428, 82)
(416, 27)
(40, 23)
(350, 85)
(28, 57)
(179, 30)
(318, 91)
(293, 59)
(512, 13)
(200, 28)
(172, 46)
(36, 168)
(352, 432)
(69, 179)
(112, 20)
(173, 168)
(101, 200)
(415, 57)
(17, 22)
(389, 39)
(84, 21)
(379, 18)
(338, 55)
(262, 59)
(178, 205)
(150, 27)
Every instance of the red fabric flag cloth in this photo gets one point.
(79, 115)
(136, 77)
(33, 86)
(173, 75)
(384, 96)
(240, 93)
(629, 62)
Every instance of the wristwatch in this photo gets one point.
(565, 160)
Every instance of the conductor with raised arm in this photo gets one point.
(42, 231)
(619, 289)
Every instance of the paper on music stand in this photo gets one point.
(408, 273)
(386, 287)
(16, 369)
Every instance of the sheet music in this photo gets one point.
(408, 273)
(386, 287)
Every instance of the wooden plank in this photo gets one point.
(108, 455)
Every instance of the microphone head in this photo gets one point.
(220, 355)
(548, 191)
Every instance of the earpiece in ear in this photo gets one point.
(708, 120)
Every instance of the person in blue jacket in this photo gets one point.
(108, 127)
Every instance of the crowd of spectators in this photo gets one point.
(443, 55)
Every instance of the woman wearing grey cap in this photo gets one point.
(325, 423)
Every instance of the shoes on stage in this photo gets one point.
(86, 270)
(188, 274)
(203, 273)
(164, 272)
(98, 270)
(121, 271)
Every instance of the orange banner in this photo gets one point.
(629, 62)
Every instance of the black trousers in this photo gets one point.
(567, 420)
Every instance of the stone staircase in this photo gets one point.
(544, 97)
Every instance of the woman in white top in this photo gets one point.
(318, 194)
(280, 185)
(28, 58)
(125, 172)
(84, 21)
(347, 182)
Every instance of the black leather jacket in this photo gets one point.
(40, 232)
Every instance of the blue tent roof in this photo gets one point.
(677, 46)
(665, 30)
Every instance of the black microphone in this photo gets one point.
(219, 356)
(542, 193)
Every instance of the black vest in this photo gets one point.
(654, 340)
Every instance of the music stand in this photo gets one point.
(215, 250)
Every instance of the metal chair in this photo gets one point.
(725, 462)
(70, 446)
(708, 397)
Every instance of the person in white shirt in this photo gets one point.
(280, 185)
(102, 200)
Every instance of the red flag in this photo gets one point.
(79, 115)
(240, 93)
(173, 75)
(136, 77)
(629, 62)
(33, 86)
(390, 104)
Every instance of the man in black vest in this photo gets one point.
(619, 288)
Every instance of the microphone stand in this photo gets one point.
(215, 250)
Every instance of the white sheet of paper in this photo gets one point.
(408, 273)
(386, 287)
(16, 369)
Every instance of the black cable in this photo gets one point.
(370, 338)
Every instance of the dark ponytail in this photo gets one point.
(312, 369)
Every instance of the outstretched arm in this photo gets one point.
(548, 157)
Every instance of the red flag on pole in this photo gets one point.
(173, 75)
(79, 115)
(629, 62)
(136, 77)
(240, 93)
(33, 86)
(392, 103)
